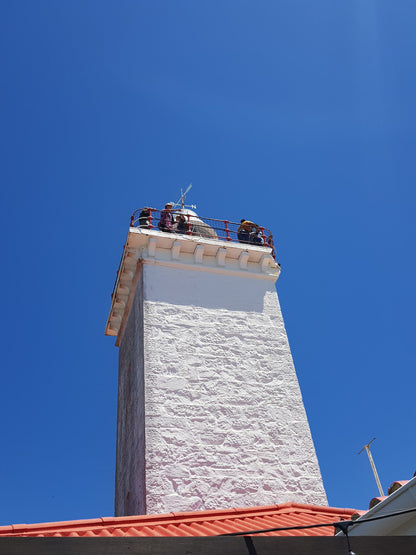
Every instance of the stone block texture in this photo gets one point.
(210, 411)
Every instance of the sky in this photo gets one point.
(298, 115)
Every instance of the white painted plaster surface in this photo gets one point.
(214, 417)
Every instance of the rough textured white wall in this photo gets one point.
(130, 490)
(223, 415)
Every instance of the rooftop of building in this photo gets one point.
(196, 523)
(183, 221)
(239, 520)
(217, 246)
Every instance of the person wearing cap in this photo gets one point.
(166, 218)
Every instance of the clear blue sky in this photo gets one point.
(299, 115)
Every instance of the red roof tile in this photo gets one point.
(396, 485)
(199, 523)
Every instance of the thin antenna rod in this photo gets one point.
(184, 195)
(181, 201)
(373, 466)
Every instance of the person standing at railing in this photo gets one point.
(144, 218)
(166, 218)
(255, 237)
(248, 232)
(180, 226)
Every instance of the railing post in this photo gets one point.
(189, 232)
(227, 231)
(132, 220)
(270, 242)
(150, 219)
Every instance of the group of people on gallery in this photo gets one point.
(174, 222)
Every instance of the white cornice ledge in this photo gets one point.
(195, 253)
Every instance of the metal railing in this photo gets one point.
(186, 223)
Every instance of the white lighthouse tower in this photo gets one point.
(210, 414)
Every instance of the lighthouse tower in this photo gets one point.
(210, 414)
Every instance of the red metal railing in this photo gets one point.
(223, 230)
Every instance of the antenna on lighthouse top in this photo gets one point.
(373, 466)
(181, 201)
